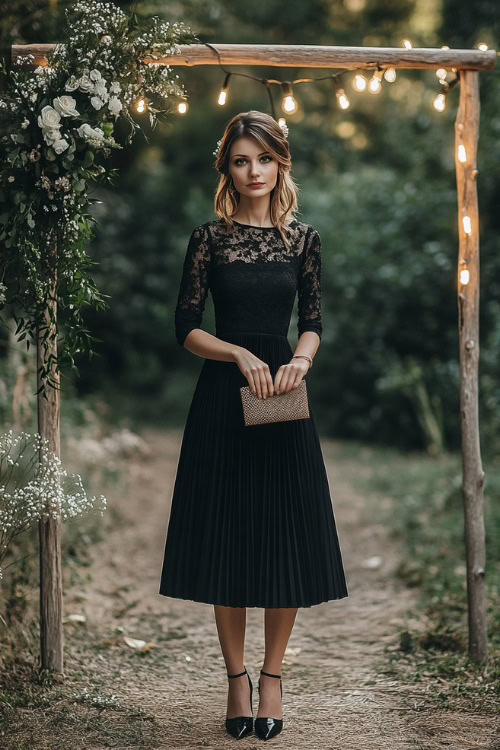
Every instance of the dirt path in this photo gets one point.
(339, 691)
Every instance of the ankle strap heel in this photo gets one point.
(240, 726)
(267, 726)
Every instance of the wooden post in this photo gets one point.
(51, 595)
(466, 138)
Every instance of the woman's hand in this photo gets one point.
(289, 376)
(256, 372)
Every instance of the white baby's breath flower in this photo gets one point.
(66, 106)
(25, 123)
(11, 178)
(114, 105)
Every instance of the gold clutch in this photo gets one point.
(280, 407)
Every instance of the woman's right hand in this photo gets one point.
(256, 372)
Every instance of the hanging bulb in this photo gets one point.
(374, 85)
(141, 104)
(439, 103)
(462, 156)
(182, 107)
(390, 75)
(359, 82)
(482, 46)
(342, 99)
(466, 224)
(407, 43)
(441, 74)
(288, 102)
(223, 92)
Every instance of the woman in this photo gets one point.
(251, 522)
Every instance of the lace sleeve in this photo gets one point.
(194, 284)
(309, 286)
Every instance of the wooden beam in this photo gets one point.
(466, 139)
(306, 56)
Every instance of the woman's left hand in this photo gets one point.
(289, 376)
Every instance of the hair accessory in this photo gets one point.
(280, 407)
(283, 127)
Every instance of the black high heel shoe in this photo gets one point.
(240, 726)
(267, 727)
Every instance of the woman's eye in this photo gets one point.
(242, 159)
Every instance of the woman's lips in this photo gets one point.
(257, 184)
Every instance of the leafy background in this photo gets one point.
(377, 181)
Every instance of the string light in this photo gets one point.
(462, 156)
(223, 93)
(464, 274)
(466, 224)
(288, 102)
(141, 104)
(359, 82)
(374, 85)
(482, 46)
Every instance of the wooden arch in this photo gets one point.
(467, 63)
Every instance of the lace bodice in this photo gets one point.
(253, 279)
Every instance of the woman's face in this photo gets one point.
(249, 162)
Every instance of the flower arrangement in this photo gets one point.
(28, 494)
(56, 126)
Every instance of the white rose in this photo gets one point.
(49, 117)
(115, 87)
(60, 145)
(65, 105)
(106, 39)
(50, 135)
(85, 84)
(71, 84)
(95, 75)
(101, 91)
(115, 105)
(86, 131)
(96, 102)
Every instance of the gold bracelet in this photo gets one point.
(305, 356)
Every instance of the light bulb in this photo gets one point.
(182, 107)
(342, 99)
(390, 75)
(141, 105)
(462, 156)
(483, 46)
(441, 73)
(464, 276)
(374, 85)
(466, 224)
(281, 122)
(222, 97)
(439, 102)
(407, 43)
(289, 104)
(359, 82)
(223, 92)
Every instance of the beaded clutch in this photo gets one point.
(280, 407)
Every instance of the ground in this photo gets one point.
(340, 689)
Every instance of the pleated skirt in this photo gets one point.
(251, 521)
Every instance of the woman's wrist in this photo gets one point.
(304, 356)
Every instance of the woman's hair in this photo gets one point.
(269, 134)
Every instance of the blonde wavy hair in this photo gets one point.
(269, 134)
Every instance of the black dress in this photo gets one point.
(251, 521)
